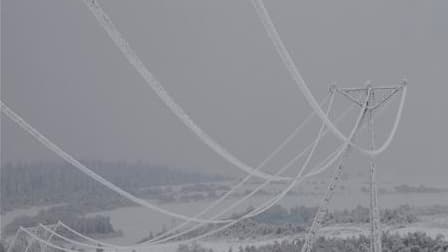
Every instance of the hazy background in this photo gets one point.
(63, 74)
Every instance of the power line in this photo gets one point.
(348, 144)
(280, 196)
(255, 212)
(67, 239)
(320, 168)
(243, 181)
(46, 142)
(134, 60)
(68, 158)
(49, 244)
(297, 77)
(310, 154)
(310, 148)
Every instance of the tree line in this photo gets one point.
(412, 242)
(28, 184)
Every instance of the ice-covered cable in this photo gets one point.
(298, 179)
(270, 202)
(77, 164)
(16, 118)
(294, 72)
(114, 246)
(105, 244)
(68, 158)
(134, 60)
(48, 244)
(54, 229)
(323, 166)
(319, 169)
(110, 245)
(42, 246)
(388, 141)
(309, 174)
(67, 239)
(331, 157)
(261, 186)
(310, 154)
(286, 141)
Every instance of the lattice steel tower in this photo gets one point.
(364, 97)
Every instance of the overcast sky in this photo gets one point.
(63, 74)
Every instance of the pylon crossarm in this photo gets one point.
(387, 98)
(346, 94)
(375, 88)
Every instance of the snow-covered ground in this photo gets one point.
(431, 225)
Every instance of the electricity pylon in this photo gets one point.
(365, 98)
